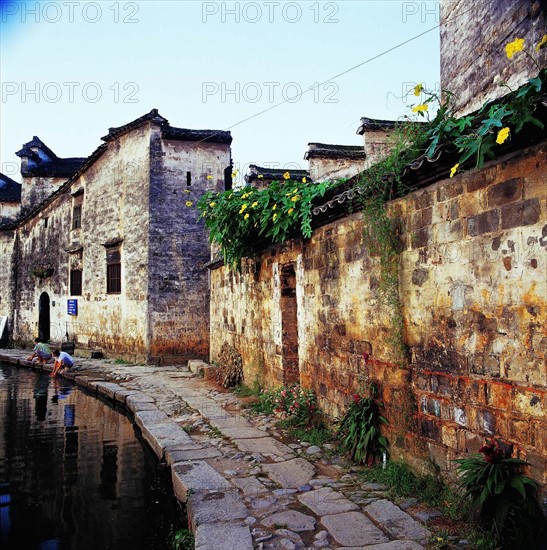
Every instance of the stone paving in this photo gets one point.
(244, 488)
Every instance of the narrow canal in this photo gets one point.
(73, 473)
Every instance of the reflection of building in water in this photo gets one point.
(98, 459)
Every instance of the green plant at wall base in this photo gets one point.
(359, 431)
(295, 405)
(503, 500)
(183, 539)
(237, 220)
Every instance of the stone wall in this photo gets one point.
(36, 189)
(179, 246)
(9, 211)
(473, 38)
(114, 208)
(7, 282)
(323, 169)
(474, 296)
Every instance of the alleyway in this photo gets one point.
(245, 488)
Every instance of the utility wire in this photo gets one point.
(290, 100)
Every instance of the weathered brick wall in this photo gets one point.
(473, 38)
(115, 206)
(7, 263)
(35, 190)
(322, 169)
(9, 211)
(474, 295)
(179, 246)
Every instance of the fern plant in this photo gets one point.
(503, 500)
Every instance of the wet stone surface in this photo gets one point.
(243, 485)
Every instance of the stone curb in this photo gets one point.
(194, 481)
(221, 509)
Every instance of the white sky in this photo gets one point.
(70, 70)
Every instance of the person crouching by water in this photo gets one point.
(41, 352)
(62, 360)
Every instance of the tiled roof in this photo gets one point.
(35, 142)
(323, 150)
(10, 190)
(424, 171)
(170, 132)
(273, 174)
(184, 134)
(153, 115)
(376, 124)
(58, 168)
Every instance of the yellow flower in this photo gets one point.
(260, 177)
(541, 43)
(209, 177)
(274, 207)
(512, 48)
(420, 108)
(255, 204)
(304, 180)
(234, 175)
(243, 207)
(418, 89)
(189, 203)
(295, 198)
(212, 204)
(187, 191)
(274, 217)
(454, 169)
(246, 216)
(291, 210)
(286, 176)
(503, 134)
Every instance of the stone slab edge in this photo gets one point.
(117, 393)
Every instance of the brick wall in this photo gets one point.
(179, 246)
(473, 38)
(474, 296)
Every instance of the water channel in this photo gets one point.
(74, 474)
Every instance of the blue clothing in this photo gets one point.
(65, 359)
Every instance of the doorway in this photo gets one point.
(43, 317)
(289, 322)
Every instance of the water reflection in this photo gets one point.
(72, 474)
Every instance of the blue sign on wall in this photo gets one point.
(72, 307)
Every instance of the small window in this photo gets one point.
(76, 282)
(77, 217)
(188, 179)
(46, 222)
(113, 271)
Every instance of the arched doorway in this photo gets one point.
(43, 317)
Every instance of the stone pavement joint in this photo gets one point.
(230, 475)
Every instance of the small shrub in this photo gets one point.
(503, 500)
(230, 367)
(359, 431)
(295, 405)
